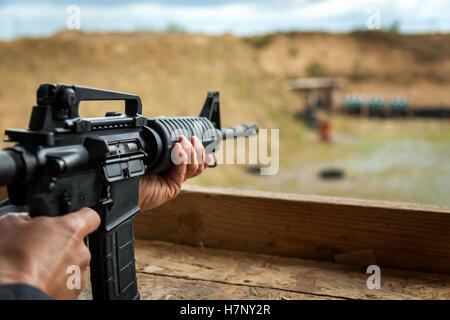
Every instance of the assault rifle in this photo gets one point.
(63, 163)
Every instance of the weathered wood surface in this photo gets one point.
(397, 235)
(173, 271)
(154, 287)
(3, 193)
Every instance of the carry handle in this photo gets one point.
(67, 99)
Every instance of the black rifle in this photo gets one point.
(63, 163)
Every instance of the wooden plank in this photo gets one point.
(155, 287)
(173, 271)
(403, 236)
(319, 278)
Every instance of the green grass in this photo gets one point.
(397, 160)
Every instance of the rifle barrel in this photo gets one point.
(245, 130)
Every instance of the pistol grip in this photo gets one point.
(113, 270)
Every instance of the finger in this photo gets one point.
(208, 161)
(82, 222)
(200, 155)
(177, 173)
(178, 153)
(192, 164)
(199, 149)
(189, 149)
(22, 215)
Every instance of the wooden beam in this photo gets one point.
(397, 235)
(3, 193)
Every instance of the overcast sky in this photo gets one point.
(40, 18)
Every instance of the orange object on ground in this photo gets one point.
(325, 131)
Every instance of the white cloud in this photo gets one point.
(238, 17)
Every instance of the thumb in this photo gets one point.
(85, 221)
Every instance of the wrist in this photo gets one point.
(9, 276)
